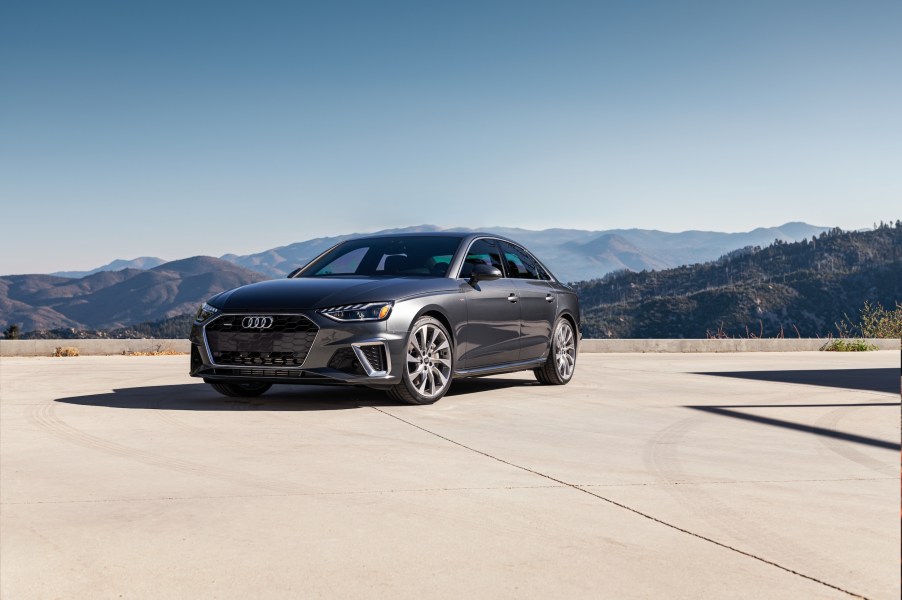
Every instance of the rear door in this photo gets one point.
(538, 302)
(491, 335)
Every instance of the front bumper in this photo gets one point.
(365, 353)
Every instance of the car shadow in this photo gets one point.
(727, 411)
(475, 385)
(870, 380)
(201, 397)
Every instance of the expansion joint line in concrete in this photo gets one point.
(623, 506)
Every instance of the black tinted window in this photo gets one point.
(481, 252)
(520, 264)
(427, 256)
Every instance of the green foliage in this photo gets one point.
(12, 332)
(874, 322)
(844, 345)
(878, 322)
(796, 289)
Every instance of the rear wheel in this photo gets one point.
(561, 363)
(426, 375)
(247, 389)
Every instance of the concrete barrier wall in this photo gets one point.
(109, 347)
(90, 347)
(727, 345)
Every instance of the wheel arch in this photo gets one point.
(441, 317)
(566, 314)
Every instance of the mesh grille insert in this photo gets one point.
(284, 344)
(375, 355)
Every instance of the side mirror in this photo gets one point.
(484, 272)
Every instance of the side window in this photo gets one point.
(482, 252)
(521, 264)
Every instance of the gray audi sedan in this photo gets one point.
(401, 313)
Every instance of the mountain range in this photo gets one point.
(571, 254)
(799, 289)
(111, 299)
(123, 293)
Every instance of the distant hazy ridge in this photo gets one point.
(572, 254)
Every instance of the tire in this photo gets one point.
(428, 364)
(247, 389)
(561, 363)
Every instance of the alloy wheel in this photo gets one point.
(564, 350)
(429, 360)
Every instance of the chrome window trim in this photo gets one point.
(535, 260)
(268, 367)
(463, 257)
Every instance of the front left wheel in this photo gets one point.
(429, 360)
(247, 389)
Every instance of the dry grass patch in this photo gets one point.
(66, 351)
(166, 352)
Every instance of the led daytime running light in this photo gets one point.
(370, 311)
(205, 312)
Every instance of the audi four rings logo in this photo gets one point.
(256, 322)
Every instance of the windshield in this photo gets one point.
(426, 256)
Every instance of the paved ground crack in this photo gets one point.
(732, 482)
(623, 506)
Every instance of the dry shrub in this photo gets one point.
(66, 351)
(166, 352)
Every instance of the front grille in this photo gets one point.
(284, 344)
(264, 359)
(293, 373)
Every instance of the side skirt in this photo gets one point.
(505, 368)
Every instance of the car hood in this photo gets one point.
(321, 292)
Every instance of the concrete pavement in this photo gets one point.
(680, 475)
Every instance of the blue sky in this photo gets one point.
(176, 129)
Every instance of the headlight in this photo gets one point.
(373, 311)
(205, 312)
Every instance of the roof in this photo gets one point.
(456, 234)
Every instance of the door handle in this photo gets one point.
(512, 297)
(549, 298)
